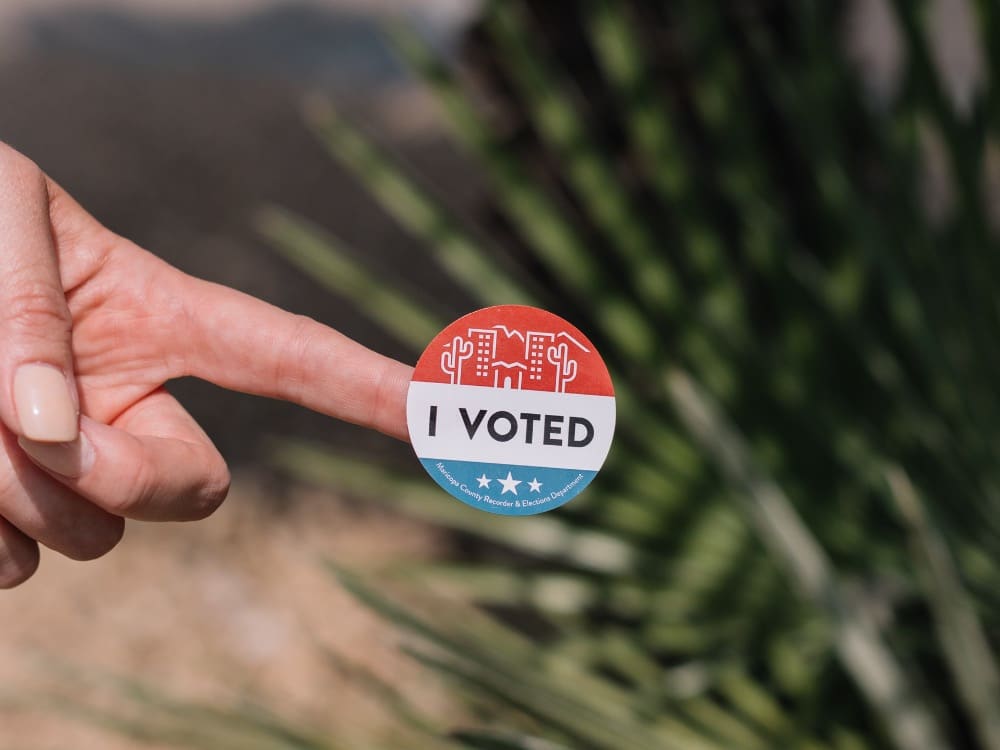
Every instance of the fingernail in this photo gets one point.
(45, 408)
(68, 459)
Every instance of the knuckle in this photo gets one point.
(213, 491)
(147, 496)
(95, 539)
(37, 307)
(129, 492)
(290, 367)
(135, 493)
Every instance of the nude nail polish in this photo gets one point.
(45, 408)
(68, 459)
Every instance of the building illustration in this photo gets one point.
(501, 357)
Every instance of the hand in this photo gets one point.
(92, 327)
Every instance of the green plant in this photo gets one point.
(793, 541)
(730, 210)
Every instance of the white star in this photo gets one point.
(483, 481)
(535, 485)
(509, 484)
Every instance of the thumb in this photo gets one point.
(38, 399)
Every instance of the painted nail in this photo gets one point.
(68, 459)
(45, 408)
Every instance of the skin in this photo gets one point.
(119, 323)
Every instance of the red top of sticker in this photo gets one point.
(516, 347)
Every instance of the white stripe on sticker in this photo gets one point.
(510, 426)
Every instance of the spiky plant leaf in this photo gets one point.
(702, 576)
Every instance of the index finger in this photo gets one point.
(244, 344)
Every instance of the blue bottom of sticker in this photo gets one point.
(505, 489)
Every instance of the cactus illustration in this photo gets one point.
(451, 361)
(566, 368)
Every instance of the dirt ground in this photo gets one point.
(235, 606)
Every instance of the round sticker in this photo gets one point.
(511, 410)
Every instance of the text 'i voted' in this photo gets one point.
(511, 410)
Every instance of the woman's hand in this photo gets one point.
(91, 327)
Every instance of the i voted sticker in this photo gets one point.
(511, 410)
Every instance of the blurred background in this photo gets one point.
(779, 222)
